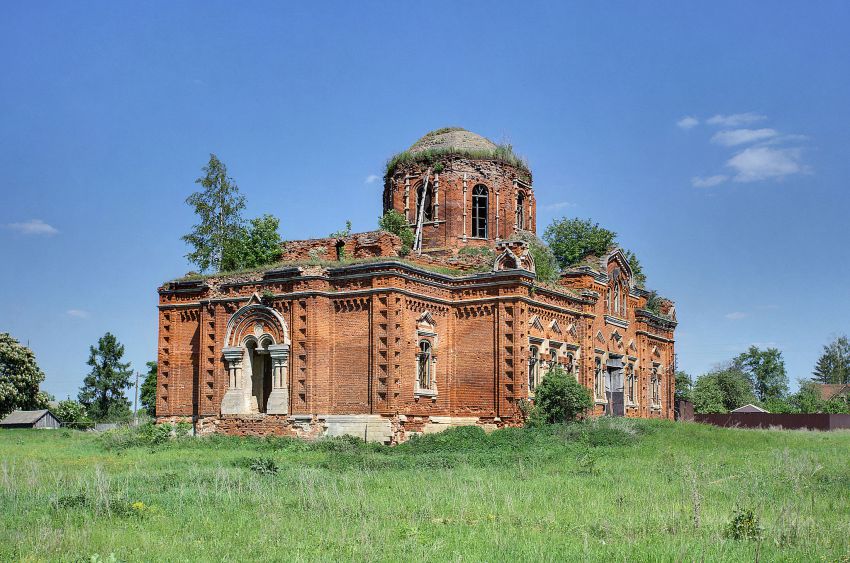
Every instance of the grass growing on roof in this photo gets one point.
(502, 153)
(611, 490)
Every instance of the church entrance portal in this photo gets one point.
(260, 363)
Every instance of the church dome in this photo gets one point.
(450, 138)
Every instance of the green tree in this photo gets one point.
(258, 245)
(766, 371)
(394, 222)
(219, 206)
(571, 240)
(637, 270)
(103, 388)
(779, 405)
(722, 390)
(20, 377)
(559, 397)
(147, 392)
(548, 269)
(684, 386)
(833, 366)
(807, 399)
(72, 413)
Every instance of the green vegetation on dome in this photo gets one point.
(502, 153)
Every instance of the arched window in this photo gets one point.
(520, 211)
(479, 211)
(423, 365)
(553, 357)
(533, 361)
(571, 364)
(428, 212)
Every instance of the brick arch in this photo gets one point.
(241, 325)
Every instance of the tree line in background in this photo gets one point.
(758, 377)
(102, 396)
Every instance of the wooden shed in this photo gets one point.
(30, 419)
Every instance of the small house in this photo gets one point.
(30, 419)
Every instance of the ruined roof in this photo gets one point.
(452, 138)
(448, 142)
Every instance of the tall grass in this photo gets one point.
(603, 490)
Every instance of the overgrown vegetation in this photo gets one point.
(602, 490)
(220, 240)
(575, 240)
(502, 153)
(559, 398)
(545, 262)
(394, 222)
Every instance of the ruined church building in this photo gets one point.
(347, 336)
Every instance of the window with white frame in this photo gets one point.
(599, 380)
(424, 367)
(533, 367)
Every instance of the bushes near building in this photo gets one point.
(559, 398)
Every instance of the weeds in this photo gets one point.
(745, 525)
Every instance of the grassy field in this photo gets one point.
(603, 491)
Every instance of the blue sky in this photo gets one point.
(713, 137)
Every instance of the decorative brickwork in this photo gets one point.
(384, 349)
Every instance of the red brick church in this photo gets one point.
(348, 336)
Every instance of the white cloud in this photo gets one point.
(762, 163)
(733, 137)
(735, 119)
(688, 122)
(33, 227)
(736, 315)
(708, 181)
(78, 313)
(371, 179)
(556, 206)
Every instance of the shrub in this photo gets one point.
(72, 414)
(396, 223)
(263, 466)
(560, 398)
(545, 262)
(745, 525)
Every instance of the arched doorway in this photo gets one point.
(259, 365)
(256, 355)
